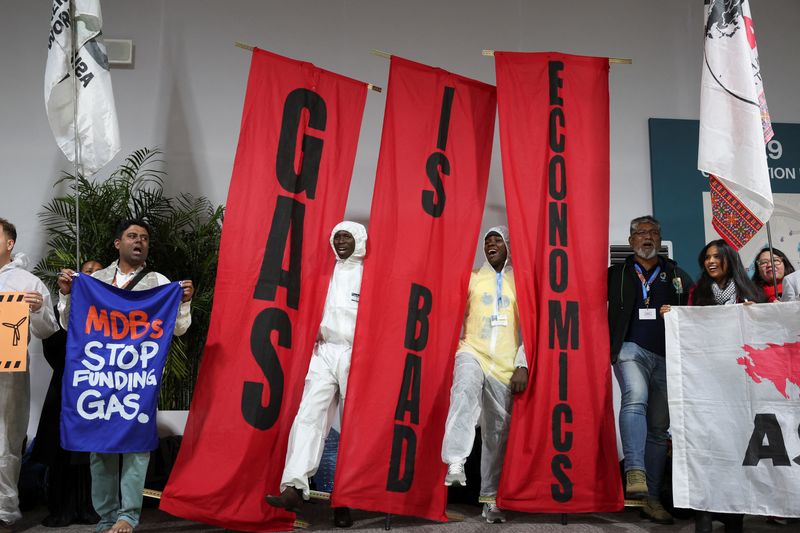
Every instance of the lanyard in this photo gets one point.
(498, 301)
(646, 283)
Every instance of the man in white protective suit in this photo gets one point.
(15, 386)
(490, 365)
(326, 381)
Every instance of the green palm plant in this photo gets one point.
(184, 245)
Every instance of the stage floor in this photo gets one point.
(465, 518)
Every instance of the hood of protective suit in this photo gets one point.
(503, 232)
(359, 233)
(19, 260)
(341, 304)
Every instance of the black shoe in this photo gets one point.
(702, 522)
(53, 520)
(733, 523)
(290, 499)
(341, 517)
(87, 518)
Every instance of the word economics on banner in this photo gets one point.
(562, 316)
(289, 214)
(119, 366)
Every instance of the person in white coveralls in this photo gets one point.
(15, 386)
(490, 366)
(326, 381)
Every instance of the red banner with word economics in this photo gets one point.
(429, 194)
(289, 187)
(562, 454)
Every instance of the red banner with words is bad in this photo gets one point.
(561, 455)
(289, 187)
(429, 195)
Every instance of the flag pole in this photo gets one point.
(772, 261)
(250, 47)
(490, 53)
(77, 149)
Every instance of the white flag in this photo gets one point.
(98, 132)
(733, 381)
(734, 123)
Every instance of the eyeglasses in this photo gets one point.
(646, 232)
(764, 262)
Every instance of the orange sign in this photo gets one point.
(13, 332)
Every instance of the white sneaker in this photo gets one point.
(493, 514)
(455, 475)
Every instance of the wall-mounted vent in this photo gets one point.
(618, 252)
(120, 51)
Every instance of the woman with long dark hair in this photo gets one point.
(766, 271)
(723, 280)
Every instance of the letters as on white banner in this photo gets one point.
(734, 400)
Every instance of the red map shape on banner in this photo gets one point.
(776, 363)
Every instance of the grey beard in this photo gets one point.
(645, 255)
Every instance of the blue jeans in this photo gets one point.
(644, 415)
(107, 486)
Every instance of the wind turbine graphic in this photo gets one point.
(15, 327)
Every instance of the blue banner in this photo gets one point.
(117, 344)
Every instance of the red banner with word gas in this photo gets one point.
(289, 187)
(561, 455)
(429, 194)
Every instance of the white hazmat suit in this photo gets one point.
(15, 387)
(489, 352)
(326, 381)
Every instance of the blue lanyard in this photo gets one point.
(646, 284)
(498, 291)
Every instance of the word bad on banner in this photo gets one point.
(13, 332)
(117, 345)
(429, 194)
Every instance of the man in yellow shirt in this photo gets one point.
(490, 365)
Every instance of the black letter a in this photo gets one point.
(775, 449)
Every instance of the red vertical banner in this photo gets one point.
(430, 190)
(289, 187)
(561, 455)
